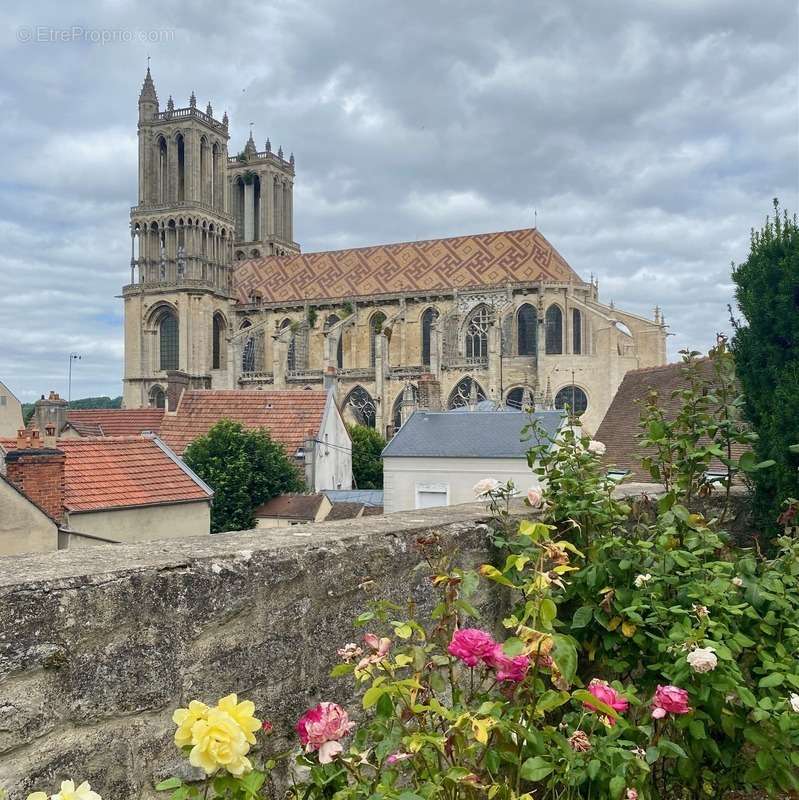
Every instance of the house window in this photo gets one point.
(573, 397)
(527, 325)
(554, 330)
(168, 340)
(3, 400)
(432, 495)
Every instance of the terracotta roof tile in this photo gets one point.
(462, 262)
(291, 506)
(115, 421)
(620, 427)
(290, 416)
(120, 471)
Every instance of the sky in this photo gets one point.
(648, 137)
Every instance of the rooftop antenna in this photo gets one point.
(535, 218)
(148, 62)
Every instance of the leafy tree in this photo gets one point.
(245, 468)
(367, 466)
(766, 349)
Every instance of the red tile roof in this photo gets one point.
(115, 421)
(291, 506)
(461, 262)
(620, 427)
(290, 416)
(121, 471)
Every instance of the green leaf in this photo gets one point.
(775, 679)
(617, 786)
(564, 654)
(584, 696)
(513, 647)
(372, 695)
(169, 783)
(582, 617)
(535, 769)
(341, 669)
(548, 611)
(594, 765)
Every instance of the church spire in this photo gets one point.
(250, 149)
(147, 94)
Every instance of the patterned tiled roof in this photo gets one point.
(463, 262)
(114, 421)
(119, 472)
(290, 416)
(620, 427)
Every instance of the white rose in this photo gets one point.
(702, 659)
(485, 486)
(736, 581)
(793, 701)
(642, 580)
(598, 448)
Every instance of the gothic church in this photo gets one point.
(221, 295)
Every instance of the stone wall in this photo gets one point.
(98, 647)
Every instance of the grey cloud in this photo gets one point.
(649, 135)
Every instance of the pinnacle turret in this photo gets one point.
(170, 104)
(280, 152)
(224, 118)
(268, 146)
(147, 94)
(250, 149)
(209, 110)
(193, 100)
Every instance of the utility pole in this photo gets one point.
(72, 357)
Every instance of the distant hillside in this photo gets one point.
(84, 402)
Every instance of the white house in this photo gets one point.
(10, 412)
(436, 458)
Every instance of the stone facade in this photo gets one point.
(96, 654)
(219, 291)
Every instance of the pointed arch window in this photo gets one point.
(428, 318)
(467, 392)
(476, 343)
(218, 340)
(169, 351)
(527, 330)
(248, 350)
(329, 323)
(375, 329)
(554, 330)
(163, 170)
(291, 356)
(361, 406)
(577, 331)
(157, 397)
(515, 399)
(181, 159)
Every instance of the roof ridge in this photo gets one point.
(404, 243)
(659, 367)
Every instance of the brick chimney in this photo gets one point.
(177, 382)
(38, 471)
(51, 410)
(429, 392)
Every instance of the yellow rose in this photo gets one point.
(185, 718)
(243, 714)
(219, 741)
(69, 792)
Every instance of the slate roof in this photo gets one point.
(366, 497)
(290, 416)
(114, 421)
(620, 427)
(461, 262)
(479, 434)
(291, 506)
(123, 471)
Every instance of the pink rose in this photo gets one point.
(395, 757)
(471, 645)
(507, 668)
(321, 727)
(632, 794)
(534, 497)
(609, 696)
(379, 648)
(267, 727)
(669, 700)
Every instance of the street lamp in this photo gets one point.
(72, 357)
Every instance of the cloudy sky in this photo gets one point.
(650, 137)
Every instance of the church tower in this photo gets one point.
(177, 304)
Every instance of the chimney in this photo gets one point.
(176, 383)
(429, 392)
(330, 380)
(50, 411)
(38, 471)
